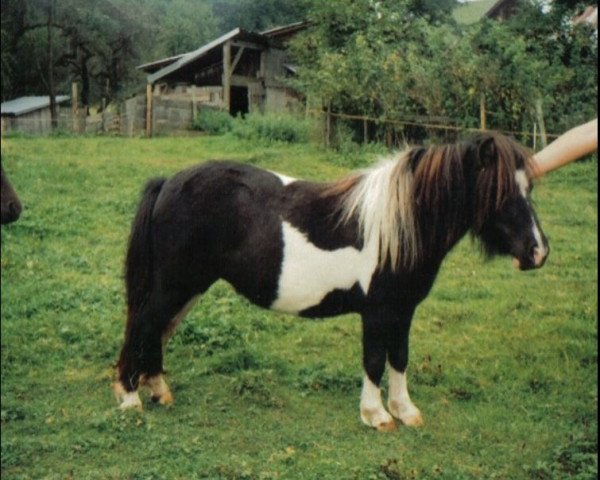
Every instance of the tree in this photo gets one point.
(257, 16)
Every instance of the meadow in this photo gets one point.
(503, 363)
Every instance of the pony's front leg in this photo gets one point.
(372, 411)
(399, 402)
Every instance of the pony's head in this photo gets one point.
(504, 218)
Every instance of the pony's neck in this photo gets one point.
(443, 195)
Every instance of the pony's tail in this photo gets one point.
(139, 263)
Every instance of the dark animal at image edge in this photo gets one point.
(371, 243)
(10, 203)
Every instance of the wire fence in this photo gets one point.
(134, 124)
(402, 122)
(405, 127)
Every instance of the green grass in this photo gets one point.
(503, 363)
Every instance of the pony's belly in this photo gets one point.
(309, 274)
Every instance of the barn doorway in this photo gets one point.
(239, 101)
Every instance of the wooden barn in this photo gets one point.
(239, 72)
(30, 114)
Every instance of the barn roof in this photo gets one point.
(285, 30)
(502, 8)
(23, 105)
(159, 69)
(173, 64)
(471, 12)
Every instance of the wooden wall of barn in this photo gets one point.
(37, 122)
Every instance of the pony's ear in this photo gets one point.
(487, 152)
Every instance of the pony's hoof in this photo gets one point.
(159, 389)
(386, 427)
(127, 400)
(413, 420)
(409, 415)
(381, 420)
(164, 399)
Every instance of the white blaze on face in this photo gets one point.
(308, 273)
(540, 249)
(522, 182)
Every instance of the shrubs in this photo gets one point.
(215, 122)
(273, 128)
(255, 126)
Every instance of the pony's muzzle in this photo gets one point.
(535, 259)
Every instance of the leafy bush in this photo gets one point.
(272, 127)
(216, 122)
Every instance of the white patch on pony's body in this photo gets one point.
(308, 273)
(399, 401)
(284, 178)
(540, 250)
(372, 412)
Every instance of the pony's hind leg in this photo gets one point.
(141, 356)
(159, 389)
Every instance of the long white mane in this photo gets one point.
(381, 201)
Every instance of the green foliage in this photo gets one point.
(379, 60)
(257, 16)
(273, 128)
(182, 26)
(216, 122)
(99, 44)
(504, 364)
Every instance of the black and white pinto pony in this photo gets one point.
(371, 243)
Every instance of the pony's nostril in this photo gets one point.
(533, 251)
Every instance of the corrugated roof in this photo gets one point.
(191, 56)
(161, 68)
(157, 64)
(284, 29)
(186, 58)
(22, 105)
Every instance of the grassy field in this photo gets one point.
(503, 363)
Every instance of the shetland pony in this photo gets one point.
(371, 243)
(9, 201)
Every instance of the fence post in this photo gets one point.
(227, 76)
(103, 116)
(74, 107)
(149, 110)
(193, 103)
(540, 120)
(328, 128)
(482, 112)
